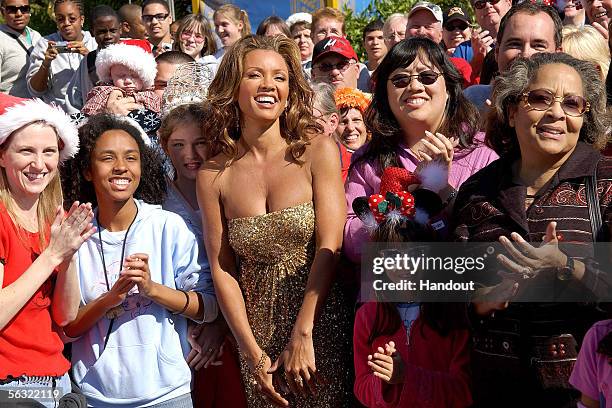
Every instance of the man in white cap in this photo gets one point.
(425, 20)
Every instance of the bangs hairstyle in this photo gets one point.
(183, 115)
(48, 200)
(509, 86)
(196, 23)
(461, 118)
(273, 21)
(297, 122)
(152, 187)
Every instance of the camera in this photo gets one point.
(62, 47)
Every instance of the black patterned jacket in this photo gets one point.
(489, 205)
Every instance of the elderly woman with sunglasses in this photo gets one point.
(418, 114)
(548, 121)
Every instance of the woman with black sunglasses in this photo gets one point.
(56, 57)
(418, 114)
(550, 187)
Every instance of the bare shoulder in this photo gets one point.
(212, 169)
(322, 148)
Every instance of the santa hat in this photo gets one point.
(16, 113)
(132, 56)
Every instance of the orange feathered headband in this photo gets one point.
(351, 98)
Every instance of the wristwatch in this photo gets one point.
(566, 272)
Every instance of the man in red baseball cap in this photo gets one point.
(334, 61)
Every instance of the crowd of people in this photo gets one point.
(185, 206)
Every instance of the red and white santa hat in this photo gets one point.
(15, 113)
(134, 57)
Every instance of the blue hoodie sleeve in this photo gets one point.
(189, 274)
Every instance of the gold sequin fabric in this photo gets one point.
(275, 252)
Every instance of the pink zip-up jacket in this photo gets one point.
(364, 180)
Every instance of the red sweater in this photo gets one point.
(29, 344)
(436, 368)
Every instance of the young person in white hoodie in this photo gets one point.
(140, 278)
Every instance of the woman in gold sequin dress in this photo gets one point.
(273, 211)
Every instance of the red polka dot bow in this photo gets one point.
(394, 194)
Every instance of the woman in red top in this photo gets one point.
(39, 282)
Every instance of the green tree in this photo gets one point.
(381, 9)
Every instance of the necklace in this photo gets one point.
(117, 310)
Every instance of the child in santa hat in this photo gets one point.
(125, 69)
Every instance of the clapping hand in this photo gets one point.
(437, 147)
(67, 235)
(387, 364)
(527, 261)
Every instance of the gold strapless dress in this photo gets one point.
(276, 251)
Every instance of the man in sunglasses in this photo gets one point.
(488, 15)
(425, 20)
(16, 43)
(455, 28)
(526, 29)
(157, 19)
(335, 62)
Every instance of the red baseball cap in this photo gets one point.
(333, 45)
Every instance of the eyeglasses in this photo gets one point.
(61, 19)
(148, 18)
(480, 4)
(542, 99)
(198, 38)
(457, 26)
(426, 78)
(340, 66)
(396, 36)
(14, 9)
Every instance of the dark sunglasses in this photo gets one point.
(542, 99)
(461, 25)
(14, 9)
(147, 18)
(426, 78)
(480, 4)
(341, 66)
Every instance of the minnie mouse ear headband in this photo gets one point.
(404, 197)
(352, 98)
(15, 113)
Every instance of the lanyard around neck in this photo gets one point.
(108, 288)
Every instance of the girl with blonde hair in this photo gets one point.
(231, 24)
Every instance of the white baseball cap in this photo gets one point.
(432, 8)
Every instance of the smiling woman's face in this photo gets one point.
(264, 87)
(417, 102)
(115, 167)
(550, 132)
(30, 160)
